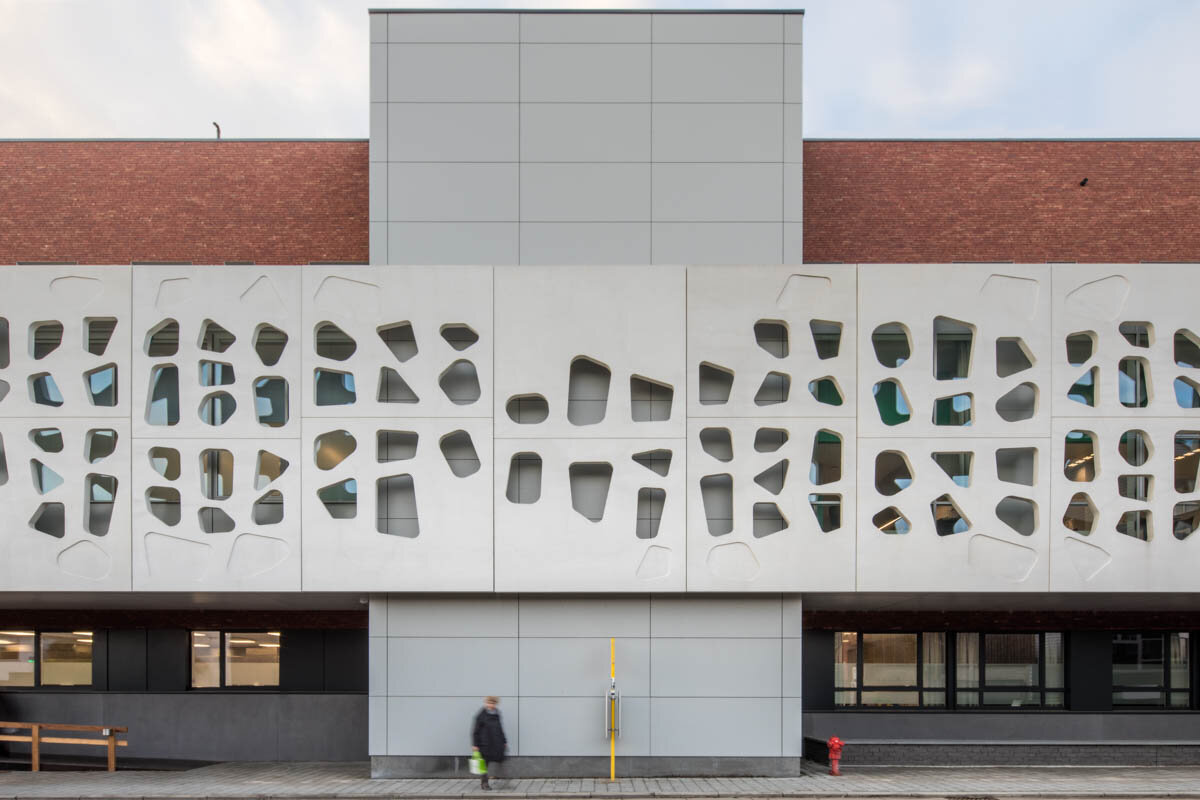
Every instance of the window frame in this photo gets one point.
(1163, 688)
(222, 678)
(38, 686)
(919, 687)
(984, 688)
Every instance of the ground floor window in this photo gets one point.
(1010, 669)
(45, 658)
(898, 670)
(232, 658)
(1151, 669)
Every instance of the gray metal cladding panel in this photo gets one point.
(714, 727)
(463, 73)
(792, 735)
(452, 131)
(793, 242)
(585, 73)
(715, 667)
(452, 616)
(793, 28)
(579, 667)
(378, 145)
(718, 192)
(717, 243)
(718, 132)
(379, 73)
(585, 192)
(793, 132)
(378, 192)
(574, 726)
(717, 28)
(452, 192)
(379, 27)
(585, 616)
(566, 28)
(793, 73)
(585, 243)
(452, 27)
(377, 672)
(431, 726)
(715, 617)
(793, 192)
(718, 73)
(585, 132)
(793, 676)
(378, 243)
(452, 667)
(451, 243)
(377, 723)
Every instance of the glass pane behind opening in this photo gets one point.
(252, 659)
(206, 659)
(67, 659)
(16, 658)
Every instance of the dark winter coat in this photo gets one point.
(488, 735)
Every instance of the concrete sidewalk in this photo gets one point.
(339, 780)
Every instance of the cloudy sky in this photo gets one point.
(873, 68)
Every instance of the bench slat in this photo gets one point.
(65, 727)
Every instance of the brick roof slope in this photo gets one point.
(115, 202)
(943, 201)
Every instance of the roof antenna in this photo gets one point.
(218, 127)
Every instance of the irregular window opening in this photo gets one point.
(3, 389)
(3, 463)
(163, 339)
(892, 472)
(1137, 524)
(1138, 334)
(524, 478)
(1135, 487)
(340, 499)
(333, 342)
(101, 494)
(215, 520)
(948, 518)
(50, 519)
(650, 401)
(1084, 390)
(4, 348)
(396, 507)
(333, 388)
(768, 440)
(826, 464)
(165, 461)
(773, 477)
(957, 466)
(891, 343)
(217, 408)
(775, 388)
(589, 488)
(214, 338)
(716, 492)
(162, 407)
(271, 401)
(891, 402)
(1012, 356)
(393, 388)
(1187, 349)
(715, 384)
(650, 504)
(527, 409)
(825, 390)
(102, 385)
(952, 344)
(1080, 347)
(1133, 377)
(1018, 513)
(772, 336)
(98, 333)
(44, 338)
(268, 509)
(587, 391)
(1079, 456)
(395, 446)
(216, 474)
(216, 373)
(657, 461)
(1187, 457)
(1019, 403)
(717, 442)
(890, 520)
(1135, 447)
(48, 440)
(332, 448)
(956, 410)
(827, 337)
(45, 480)
(1017, 465)
(400, 339)
(1080, 516)
(269, 344)
(163, 504)
(460, 455)
(828, 510)
(1185, 519)
(268, 468)
(44, 390)
(1187, 392)
(460, 383)
(768, 519)
(459, 336)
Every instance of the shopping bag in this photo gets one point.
(476, 764)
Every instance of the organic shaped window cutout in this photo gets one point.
(165, 461)
(775, 388)
(50, 519)
(459, 336)
(774, 477)
(650, 504)
(1135, 487)
(1187, 392)
(333, 388)
(214, 338)
(650, 401)
(332, 448)
(100, 492)
(271, 401)
(3, 463)
(952, 345)
(1185, 519)
(1080, 516)
(163, 504)
(956, 410)
(1137, 524)
(460, 383)
(3, 389)
(460, 455)
(216, 373)
(395, 446)
(890, 520)
(948, 518)
(1138, 334)
(215, 520)
(826, 464)
(393, 388)
(716, 492)
(1080, 347)
(891, 343)
(269, 344)
(268, 468)
(1187, 457)
(396, 507)
(957, 465)
(1012, 356)
(891, 402)
(400, 339)
(332, 342)
(657, 461)
(268, 509)
(4, 348)
(217, 408)
(99, 444)
(715, 384)
(524, 478)
(97, 333)
(587, 391)
(827, 337)
(768, 519)
(1017, 465)
(527, 409)
(1018, 513)
(1019, 403)
(828, 510)
(589, 488)
(162, 406)
(163, 339)
(216, 474)
(48, 440)
(1135, 447)
(1133, 382)
(45, 480)
(772, 336)
(44, 390)
(892, 472)
(101, 385)
(44, 338)
(718, 443)
(1084, 390)
(826, 391)
(768, 440)
(1187, 348)
(1079, 456)
(340, 499)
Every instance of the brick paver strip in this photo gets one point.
(345, 781)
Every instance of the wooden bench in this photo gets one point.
(108, 738)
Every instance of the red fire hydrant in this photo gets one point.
(835, 746)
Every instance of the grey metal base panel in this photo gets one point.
(590, 767)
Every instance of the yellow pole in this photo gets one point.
(612, 710)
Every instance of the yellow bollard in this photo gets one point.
(612, 710)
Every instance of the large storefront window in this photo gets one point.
(1151, 669)
(16, 658)
(1010, 669)
(890, 670)
(235, 659)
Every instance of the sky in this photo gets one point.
(872, 68)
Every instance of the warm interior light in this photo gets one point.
(199, 644)
(273, 633)
(5, 641)
(81, 633)
(85, 641)
(270, 644)
(242, 641)
(17, 633)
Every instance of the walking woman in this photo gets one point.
(487, 736)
